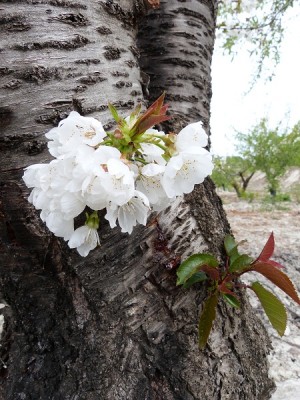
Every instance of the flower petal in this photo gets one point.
(193, 135)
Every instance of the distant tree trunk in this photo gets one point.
(246, 181)
(113, 325)
(237, 189)
(241, 190)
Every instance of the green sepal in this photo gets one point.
(114, 112)
(135, 112)
(273, 307)
(92, 220)
(127, 138)
(192, 265)
(206, 320)
(197, 277)
(240, 263)
(231, 300)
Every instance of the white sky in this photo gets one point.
(278, 100)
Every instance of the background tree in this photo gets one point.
(270, 151)
(114, 325)
(232, 171)
(292, 143)
(257, 23)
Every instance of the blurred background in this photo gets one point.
(256, 148)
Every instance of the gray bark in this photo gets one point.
(114, 325)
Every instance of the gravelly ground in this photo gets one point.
(255, 222)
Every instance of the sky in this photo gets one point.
(278, 100)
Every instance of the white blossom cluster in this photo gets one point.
(89, 171)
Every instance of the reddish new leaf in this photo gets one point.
(276, 276)
(212, 272)
(151, 121)
(275, 264)
(155, 114)
(268, 249)
(223, 288)
(164, 109)
(156, 108)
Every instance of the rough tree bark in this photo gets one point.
(112, 326)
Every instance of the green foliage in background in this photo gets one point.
(232, 172)
(257, 23)
(271, 151)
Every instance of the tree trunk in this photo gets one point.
(246, 180)
(113, 325)
(237, 189)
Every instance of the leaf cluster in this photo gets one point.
(223, 282)
(130, 132)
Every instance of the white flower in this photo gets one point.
(31, 174)
(71, 204)
(94, 192)
(191, 138)
(118, 182)
(152, 169)
(57, 224)
(191, 164)
(84, 239)
(89, 173)
(154, 133)
(72, 132)
(149, 182)
(51, 182)
(93, 161)
(129, 214)
(153, 153)
(186, 170)
(112, 181)
(38, 198)
(134, 168)
(41, 175)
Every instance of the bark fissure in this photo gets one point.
(70, 44)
